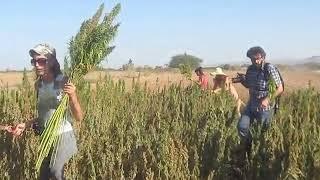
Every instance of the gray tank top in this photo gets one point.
(49, 97)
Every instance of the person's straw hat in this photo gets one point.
(218, 72)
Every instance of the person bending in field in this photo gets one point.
(221, 82)
(203, 80)
(50, 85)
(259, 106)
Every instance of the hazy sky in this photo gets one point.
(153, 31)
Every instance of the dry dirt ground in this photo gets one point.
(294, 79)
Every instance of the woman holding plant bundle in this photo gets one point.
(50, 86)
(221, 82)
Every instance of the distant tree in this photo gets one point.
(128, 66)
(185, 59)
(130, 61)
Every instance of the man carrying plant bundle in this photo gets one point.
(50, 85)
(258, 79)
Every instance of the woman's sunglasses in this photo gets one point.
(41, 61)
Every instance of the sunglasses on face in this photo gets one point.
(41, 61)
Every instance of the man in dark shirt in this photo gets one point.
(259, 106)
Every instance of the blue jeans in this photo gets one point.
(248, 117)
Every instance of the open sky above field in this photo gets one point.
(153, 31)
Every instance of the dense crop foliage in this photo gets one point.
(171, 133)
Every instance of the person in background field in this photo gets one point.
(50, 85)
(221, 82)
(259, 106)
(203, 81)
